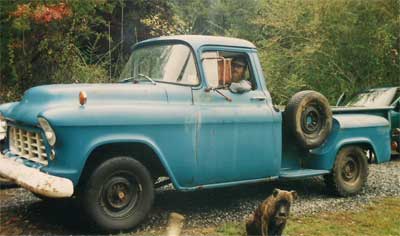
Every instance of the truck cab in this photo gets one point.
(176, 114)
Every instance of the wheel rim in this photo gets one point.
(350, 170)
(311, 120)
(120, 195)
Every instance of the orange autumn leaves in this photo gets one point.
(42, 13)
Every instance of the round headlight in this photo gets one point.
(48, 131)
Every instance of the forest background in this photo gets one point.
(331, 46)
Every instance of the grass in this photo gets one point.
(380, 218)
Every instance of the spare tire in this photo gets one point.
(308, 117)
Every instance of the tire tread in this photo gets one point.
(331, 180)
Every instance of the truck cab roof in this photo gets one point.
(197, 41)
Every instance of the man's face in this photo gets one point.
(237, 71)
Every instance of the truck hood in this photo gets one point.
(42, 98)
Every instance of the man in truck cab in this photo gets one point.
(239, 83)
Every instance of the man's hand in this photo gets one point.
(240, 87)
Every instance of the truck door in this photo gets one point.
(234, 131)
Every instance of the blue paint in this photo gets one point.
(300, 173)
(355, 131)
(201, 139)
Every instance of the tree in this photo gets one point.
(329, 46)
(66, 41)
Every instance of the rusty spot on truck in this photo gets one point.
(200, 187)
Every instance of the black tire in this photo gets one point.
(42, 197)
(308, 117)
(6, 183)
(349, 173)
(51, 199)
(118, 194)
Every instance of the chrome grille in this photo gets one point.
(28, 144)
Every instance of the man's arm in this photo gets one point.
(240, 87)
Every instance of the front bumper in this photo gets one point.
(34, 180)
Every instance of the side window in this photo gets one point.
(215, 69)
(396, 96)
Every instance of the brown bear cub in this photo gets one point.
(271, 216)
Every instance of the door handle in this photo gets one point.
(260, 98)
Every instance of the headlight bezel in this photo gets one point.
(48, 130)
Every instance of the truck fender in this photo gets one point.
(324, 158)
(104, 140)
(382, 153)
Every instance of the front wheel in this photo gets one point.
(118, 194)
(350, 172)
(6, 183)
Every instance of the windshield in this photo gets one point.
(173, 63)
(372, 98)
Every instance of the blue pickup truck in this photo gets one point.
(174, 116)
(383, 102)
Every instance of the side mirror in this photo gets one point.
(341, 99)
(224, 71)
(217, 69)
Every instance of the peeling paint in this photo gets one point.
(360, 121)
(198, 124)
(34, 180)
(204, 97)
(200, 187)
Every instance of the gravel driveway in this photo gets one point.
(23, 213)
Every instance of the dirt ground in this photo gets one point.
(21, 213)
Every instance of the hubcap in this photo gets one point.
(350, 170)
(120, 195)
(311, 120)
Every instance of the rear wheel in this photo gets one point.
(118, 194)
(350, 172)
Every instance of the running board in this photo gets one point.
(299, 173)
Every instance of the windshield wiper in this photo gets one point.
(134, 79)
(184, 67)
(216, 89)
(128, 79)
